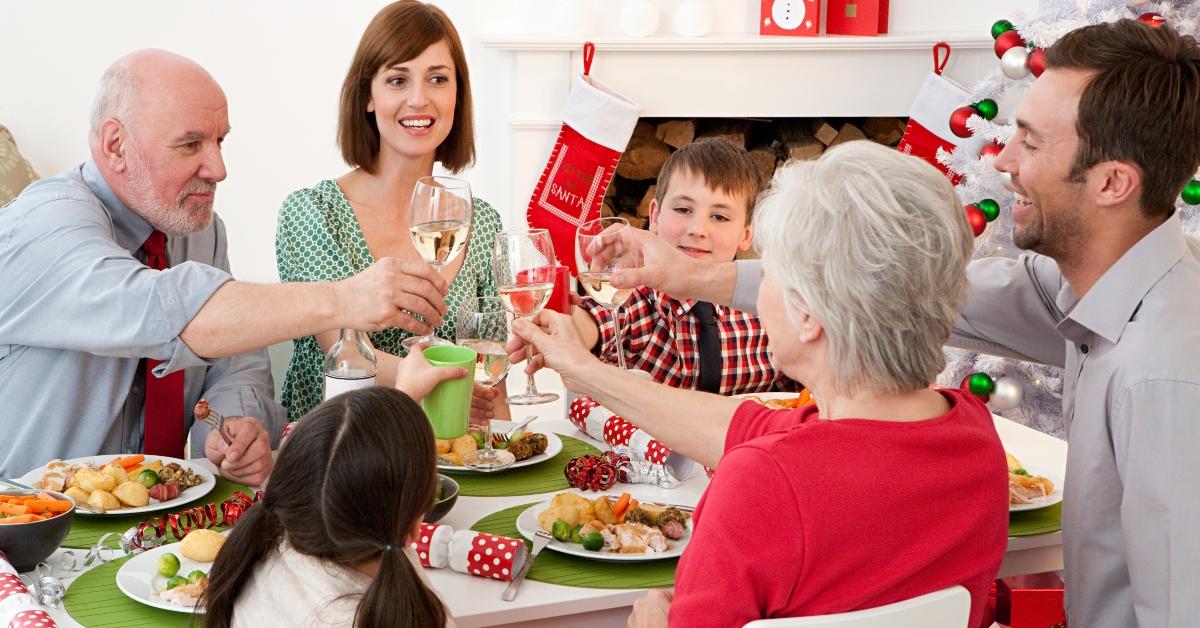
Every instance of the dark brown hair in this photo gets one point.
(724, 166)
(399, 32)
(1142, 106)
(351, 479)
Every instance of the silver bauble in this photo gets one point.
(1006, 395)
(1015, 63)
(1006, 181)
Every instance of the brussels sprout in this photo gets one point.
(168, 565)
(147, 478)
(478, 436)
(575, 538)
(561, 530)
(593, 541)
(196, 576)
(176, 581)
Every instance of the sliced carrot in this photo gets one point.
(47, 505)
(622, 504)
(20, 519)
(14, 509)
(129, 461)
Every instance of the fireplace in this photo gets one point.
(726, 80)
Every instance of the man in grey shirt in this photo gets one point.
(1107, 138)
(80, 310)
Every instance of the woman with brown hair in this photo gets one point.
(311, 554)
(405, 104)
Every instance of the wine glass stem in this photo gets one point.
(620, 342)
(530, 385)
(428, 338)
(487, 454)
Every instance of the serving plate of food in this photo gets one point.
(1029, 489)
(614, 528)
(779, 400)
(123, 484)
(529, 448)
(172, 577)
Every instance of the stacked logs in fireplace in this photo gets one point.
(769, 142)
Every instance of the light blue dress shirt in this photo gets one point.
(79, 310)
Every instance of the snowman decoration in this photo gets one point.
(790, 17)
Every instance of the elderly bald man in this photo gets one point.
(117, 308)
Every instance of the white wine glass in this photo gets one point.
(523, 265)
(439, 221)
(481, 325)
(596, 277)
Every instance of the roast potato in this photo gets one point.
(132, 494)
(92, 480)
(117, 473)
(103, 500)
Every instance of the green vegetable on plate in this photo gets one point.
(168, 565)
(196, 576)
(575, 538)
(147, 478)
(561, 530)
(176, 581)
(593, 541)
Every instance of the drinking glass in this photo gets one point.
(480, 324)
(439, 221)
(596, 277)
(523, 265)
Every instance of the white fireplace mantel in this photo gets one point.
(715, 76)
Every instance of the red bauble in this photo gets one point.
(1037, 62)
(1153, 19)
(991, 149)
(958, 121)
(976, 218)
(1008, 40)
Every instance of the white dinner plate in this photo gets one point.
(139, 579)
(527, 525)
(34, 479)
(767, 396)
(1041, 502)
(553, 446)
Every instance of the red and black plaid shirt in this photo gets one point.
(662, 336)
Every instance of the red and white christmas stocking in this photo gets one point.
(929, 117)
(595, 131)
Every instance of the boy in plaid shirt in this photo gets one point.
(703, 204)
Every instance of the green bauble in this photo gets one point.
(987, 108)
(990, 208)
(1191, 193)
(1001, 27)
(981, 384)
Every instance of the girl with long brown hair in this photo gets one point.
(327, 546)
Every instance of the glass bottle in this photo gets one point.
(350, 364)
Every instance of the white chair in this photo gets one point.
(948, 608)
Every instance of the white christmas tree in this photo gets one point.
(1035, 389)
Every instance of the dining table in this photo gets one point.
(475, 601)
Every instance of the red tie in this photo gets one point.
(162, 425)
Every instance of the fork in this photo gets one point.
(505, 437)
(207, 414)
(541, 539)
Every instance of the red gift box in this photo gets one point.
(1031, 601)
(856, 17)
(790, 17)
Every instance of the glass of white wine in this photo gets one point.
(439, 221)
(523, 266)
(596, 277)
(481, 325)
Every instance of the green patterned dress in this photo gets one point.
(319, 239)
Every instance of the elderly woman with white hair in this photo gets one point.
(887, 488)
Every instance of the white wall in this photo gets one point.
(281, 65)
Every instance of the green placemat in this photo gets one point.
(573, 571)
(1031, 522)
(86, 529)
(543, 477)
(94, 600)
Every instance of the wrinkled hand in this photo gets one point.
(645, 260)
(389, 292)
(483, 404)
(248, 460)
(650, 610)
(558, 346)
(416, 377)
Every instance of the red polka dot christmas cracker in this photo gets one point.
(486, 555)
(18, 609)
(602, 424)
(432, 545)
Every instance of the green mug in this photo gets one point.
(448, 405)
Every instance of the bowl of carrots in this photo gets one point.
(32, 525)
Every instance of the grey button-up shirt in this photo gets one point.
(78, 311)
(1130, 352)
